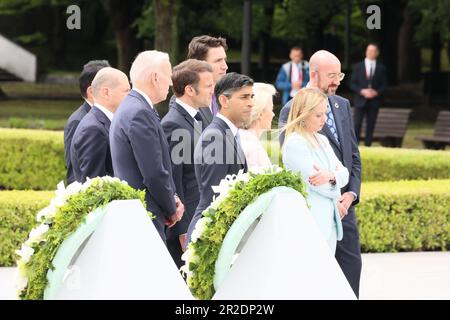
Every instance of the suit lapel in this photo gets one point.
(207, 115)
(101, 117)
(188, 118)
(230, 138)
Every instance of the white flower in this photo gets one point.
(87, 184)
(21, 283)
(46, 213)
(73, 188)
(199, 228)
(37, 234)
(25, 253)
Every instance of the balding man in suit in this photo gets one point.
(90, 153)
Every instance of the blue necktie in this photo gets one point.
(330, 123)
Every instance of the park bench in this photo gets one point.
(390, 127)
(441, 136)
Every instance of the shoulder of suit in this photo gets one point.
(341, 100)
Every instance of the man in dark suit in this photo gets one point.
(368, 82)
(213, 51)
(90, 153)
(218, 153)
(193, 87)
(325, 74)
(87, 75)
(139, 148)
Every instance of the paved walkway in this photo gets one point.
(411, 275)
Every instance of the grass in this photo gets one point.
(36, 114)
(40, 90)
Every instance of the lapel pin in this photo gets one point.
(336, 105)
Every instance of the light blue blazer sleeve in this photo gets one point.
(340, 172)
(298, 157)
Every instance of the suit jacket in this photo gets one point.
(323, 199)
(205, 112)
(360, 81)
(211, 167)
(183, 133)
(346, 149)
(140, 156)
(283, 81)
(69, 130)
(90, 154)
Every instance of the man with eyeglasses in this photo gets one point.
(325, 74)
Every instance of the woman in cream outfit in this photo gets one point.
(260, 122)
(308, 152)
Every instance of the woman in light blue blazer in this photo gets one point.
(308, 152)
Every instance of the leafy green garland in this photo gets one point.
(202, 252)
(61, 218)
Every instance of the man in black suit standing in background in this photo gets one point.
(368, 82)
(87, 75)
(139, 148)
(90, 153)
(219, 153)
(193, 86)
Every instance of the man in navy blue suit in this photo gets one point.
(193, 86)
(219, 153)
(325, 74)
(89, 152)
(87, 75)
(139, 148)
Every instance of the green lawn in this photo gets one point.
(36, 114)
(28, 90)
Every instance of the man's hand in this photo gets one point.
(320, 177)
(342, 210)
(296, 85)
(346, 200)
(183, 238)
(170, 222)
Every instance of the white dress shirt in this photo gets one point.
(370, 63)
(107, 113)
(230, 124)
(146, 97)
(191, 110)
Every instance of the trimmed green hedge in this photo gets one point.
(389, 164)
(34, 159)
(392, 164)
(18, 210)
(392, 216)
(31, 159)
(404, 216)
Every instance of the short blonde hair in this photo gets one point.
(302, 107)
(262, 99)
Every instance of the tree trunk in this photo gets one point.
(436, 47)
(58, 35)
(122, 15)
(409, 64)
(246, 38)
(264, 40)
(166, 27)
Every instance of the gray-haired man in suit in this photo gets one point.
(139, 149)
(325, 74)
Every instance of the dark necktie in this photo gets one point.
(156, 114)
(198, 117)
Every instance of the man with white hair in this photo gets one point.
(139, 149)
(89, 151)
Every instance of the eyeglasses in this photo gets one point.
(340, 76)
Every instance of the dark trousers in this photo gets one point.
(173, 241)
(348, 251)
(370, 111)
